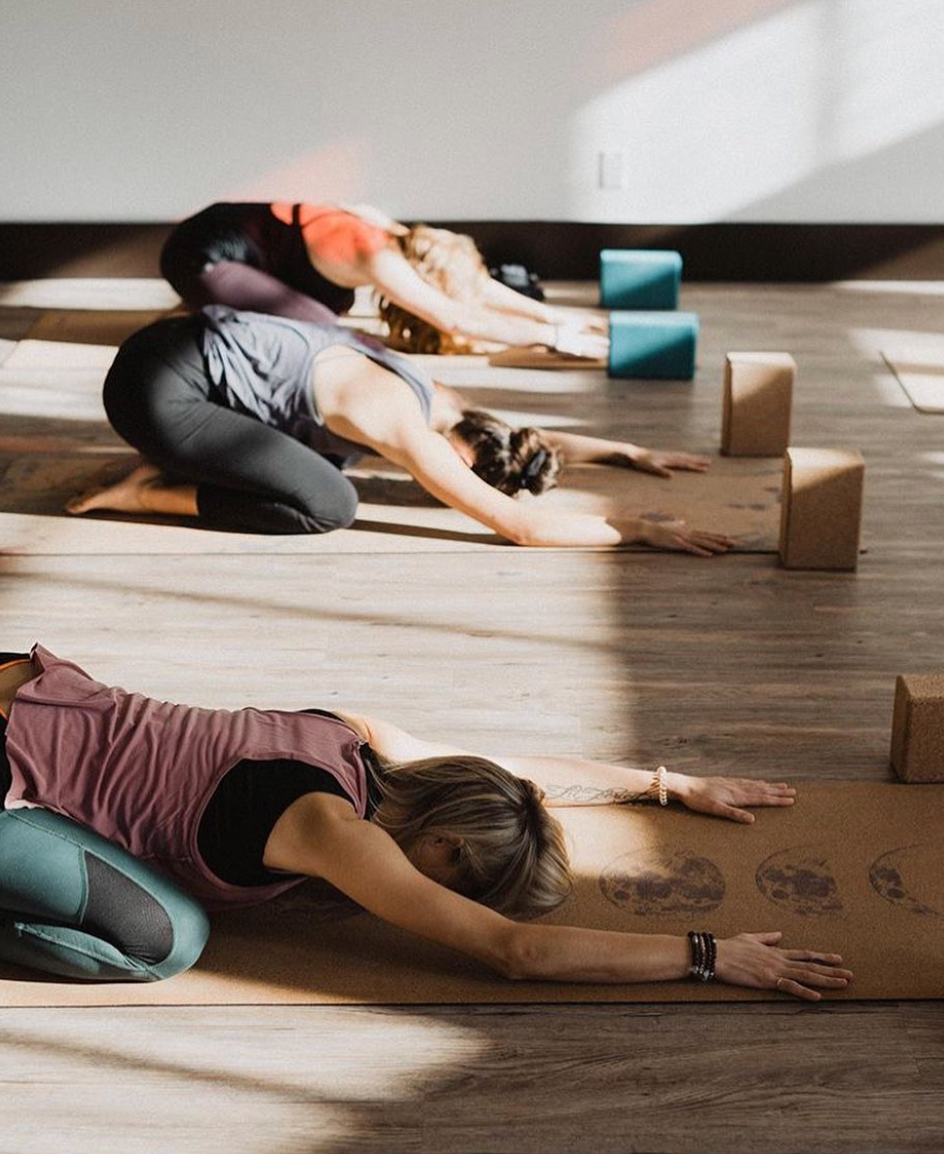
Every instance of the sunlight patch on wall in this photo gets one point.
(656, 31)
(334, 172)
(814, 86)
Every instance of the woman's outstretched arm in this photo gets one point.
(387, 422)
(505, 299)
(570, 781)
(578, 781)
(393, 277)
(577, 449)
(320, 835)
(434, 464)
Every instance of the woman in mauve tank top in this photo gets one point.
(103, 874)
(296, 260)
(255, 417)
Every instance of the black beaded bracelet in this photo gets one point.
(704, 955)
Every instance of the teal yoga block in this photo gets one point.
(639, 278)
(653, 345)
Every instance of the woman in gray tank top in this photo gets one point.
(255, 417)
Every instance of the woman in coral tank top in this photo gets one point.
(299, 260)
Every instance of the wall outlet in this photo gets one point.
(609, 170)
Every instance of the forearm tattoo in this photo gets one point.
(591, 795)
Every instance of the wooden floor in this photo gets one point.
(727, 665)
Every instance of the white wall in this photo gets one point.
(765, 110)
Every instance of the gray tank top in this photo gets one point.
(262, 365)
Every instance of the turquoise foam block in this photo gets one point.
(653, 345)
(639, 278)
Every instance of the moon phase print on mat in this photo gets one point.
(910, 877)
(667, 884)
(800, 879)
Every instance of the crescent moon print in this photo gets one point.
(909, 877)
(666, 884)
(800, 879)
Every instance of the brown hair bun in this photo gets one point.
(509, 459)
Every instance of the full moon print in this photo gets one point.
(800, 879)
(663, 883)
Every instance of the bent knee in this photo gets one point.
(323, 516)
(162, 931)
(191, 929)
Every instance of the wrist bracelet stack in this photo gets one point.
(658, 786)
(704, 955)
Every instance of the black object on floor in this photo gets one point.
(519, 278)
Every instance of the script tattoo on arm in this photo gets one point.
(590, 795)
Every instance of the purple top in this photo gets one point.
(140, 771)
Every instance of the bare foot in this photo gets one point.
(126, 495)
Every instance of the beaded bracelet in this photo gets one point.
(704, 955)
(659, 786)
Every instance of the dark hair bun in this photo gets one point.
(506, 458)
(537, 465)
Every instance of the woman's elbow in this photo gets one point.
(457, 318)
(518, 537)
(454, 324)
(518, 956)
(519, 529)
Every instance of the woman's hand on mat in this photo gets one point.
(727, 796)
(676, 535)
(756, 960)
(586, 322)
(663, 461)
(576, 338)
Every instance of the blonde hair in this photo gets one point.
(448, 261)
(510, 853)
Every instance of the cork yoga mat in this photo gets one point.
(56, 440)
(919, 370)
(737, 497)
(541, 358)
(852, 868)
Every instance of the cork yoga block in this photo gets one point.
(821, 508)
(757, 405)
(917, 752)
(639, 278)
(653, 345)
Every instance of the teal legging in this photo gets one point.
(73, 904)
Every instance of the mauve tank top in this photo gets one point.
(141, 771)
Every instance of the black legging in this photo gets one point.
(249, 476)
